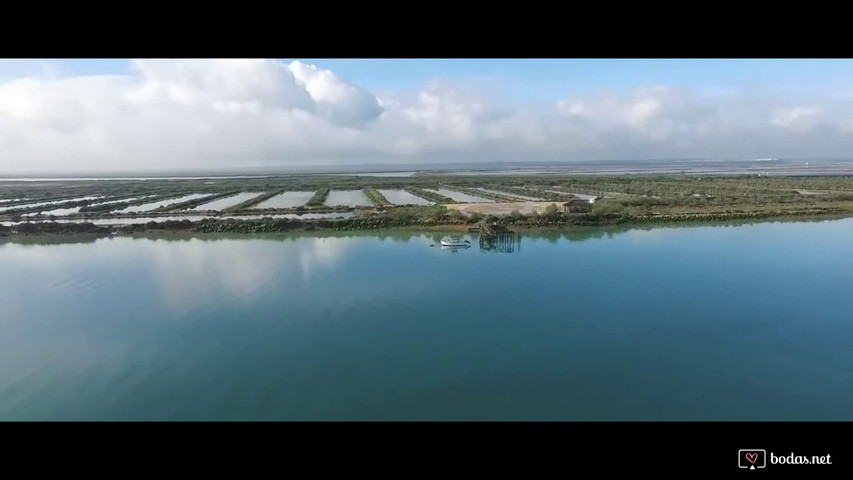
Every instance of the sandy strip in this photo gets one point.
(501, 208)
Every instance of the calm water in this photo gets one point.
(402, 197)
(178, 218)
(745, 322)
(69, 211)
(163, 203)
(286, 200)
(351, 198)
(52, 202)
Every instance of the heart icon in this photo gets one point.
(752, 457)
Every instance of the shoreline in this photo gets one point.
(244, 228)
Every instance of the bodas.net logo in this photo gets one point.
(751, 458)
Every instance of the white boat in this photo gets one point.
(454, 242)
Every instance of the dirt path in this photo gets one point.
(501, 208)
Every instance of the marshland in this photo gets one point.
(363, 201)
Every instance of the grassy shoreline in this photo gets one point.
(566, 223)
(622, 200)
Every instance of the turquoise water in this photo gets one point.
(748, 322)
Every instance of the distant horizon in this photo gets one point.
(261, 171)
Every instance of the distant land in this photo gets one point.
(757, 166)
(457, 197)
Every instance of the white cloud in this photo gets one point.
(797, 118)
(192, 114)
(341, 102)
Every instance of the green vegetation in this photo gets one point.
(375, 196)
(431, 196)
(605, 207)
(319, 197)
(109, 207)
(551, 211)
(193, 203)
(625, 199)
(537, 192)
(253, 201)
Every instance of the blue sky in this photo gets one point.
(190, 113)
(544, 80)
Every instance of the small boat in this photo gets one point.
(454, 242)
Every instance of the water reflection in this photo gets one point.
(501, 242)
(186, 275)
(282, 327)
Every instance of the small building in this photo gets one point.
(576, 205)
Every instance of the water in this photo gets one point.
(178, 218)
(69, 211)
(55, 212)
(79, 179)
(402, 197)
(51, 202)
(458, 196)
(744, 322)
(224, 203)
(286, 200)
(352, 198)
(162, 203)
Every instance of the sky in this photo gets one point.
(118, 115)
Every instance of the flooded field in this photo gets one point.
(52, 202)
(191, 218)
(58, 212)
(350, 198)
(286, 200)
(459, 197)
(226, 202)
(402, 197)
(162, 203)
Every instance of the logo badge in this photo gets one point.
(751, 458)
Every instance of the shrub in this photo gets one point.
(551, 211)
(606, 207)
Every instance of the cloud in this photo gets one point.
(661, 122)
(211, 114)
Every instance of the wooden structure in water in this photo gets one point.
(495, 237)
